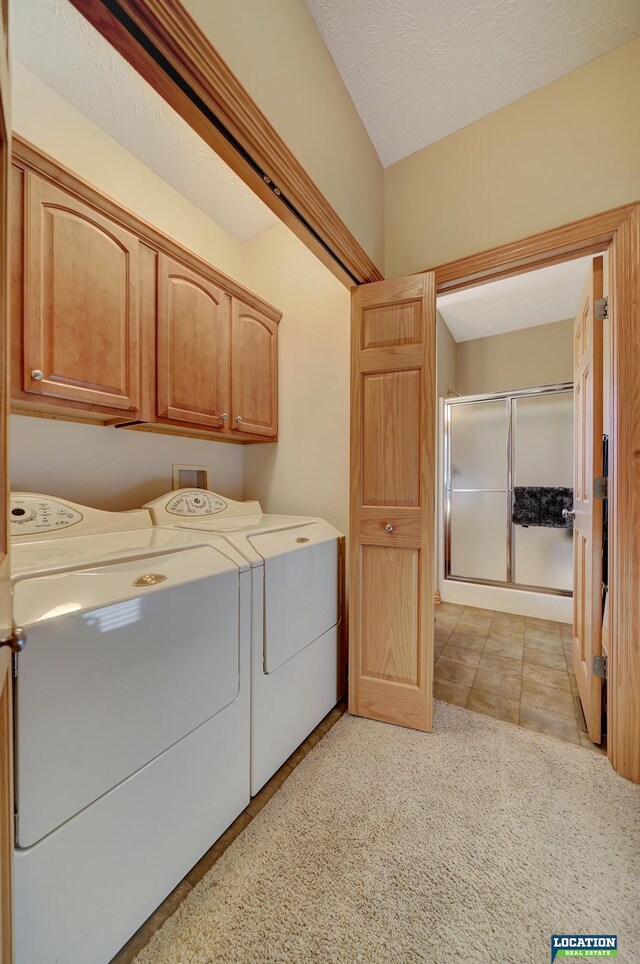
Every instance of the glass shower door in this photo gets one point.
(477, 491)
(543, 456)
(492, 444)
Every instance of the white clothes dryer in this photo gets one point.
(297, 665)
(131, 718)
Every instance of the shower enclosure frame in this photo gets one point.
(508, 397)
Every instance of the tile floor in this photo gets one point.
(514, 668)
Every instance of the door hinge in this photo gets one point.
(600, 667)
(601, 487)
(601, 309)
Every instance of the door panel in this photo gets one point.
(390, 649)
(193, 346)
(81, 323)
(391, 462)
(390, 325)
(254, 371)
(6, 680)
(392, 501)
(587, 527)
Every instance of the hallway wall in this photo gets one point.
(563, 152)
(526, 358)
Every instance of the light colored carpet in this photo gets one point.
(471, 844)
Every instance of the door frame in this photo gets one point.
(618, 231)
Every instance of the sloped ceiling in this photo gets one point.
(418, 70)
(524, 301)
(54, 41)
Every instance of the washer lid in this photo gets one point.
(46, 596)
(47, 555)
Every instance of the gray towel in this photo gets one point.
(541, 506)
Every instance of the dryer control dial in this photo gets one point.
(195, 502)
(30, 516)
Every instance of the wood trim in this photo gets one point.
(587, 236)
(624, 501)
(159, 427)
(169, 28)
(619, 227)
(26, 156)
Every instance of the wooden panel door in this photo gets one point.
(587, 525)
(192, 347)
(254, 371)
(6, 679)
(392, 521)
(81, 318)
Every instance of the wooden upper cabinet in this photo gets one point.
(114, 322)
(254, 371)
(193, 375)
(81, 337)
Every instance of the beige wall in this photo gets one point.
(516, 359)
(53, 125)
(111, 468)
(565, 151)
(107, 467)
(275, 50)
(445, 358)
(307, 471)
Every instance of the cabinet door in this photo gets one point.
(254, 372)
(193, 346)
(81, 319)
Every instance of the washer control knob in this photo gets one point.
(388, 527)
(37, 374)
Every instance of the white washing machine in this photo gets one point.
(297, 668)
(131, 719)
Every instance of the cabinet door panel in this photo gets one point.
(254, 372)
(193, 346)
(81, 320)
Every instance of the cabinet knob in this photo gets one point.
(224, 417)
(388, 527)
(238, 419)
(37, 374)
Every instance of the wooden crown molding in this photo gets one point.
(194, 62)
(30, 158)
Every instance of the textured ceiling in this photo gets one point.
(524, 301)
(57, 44)
(418, 70)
